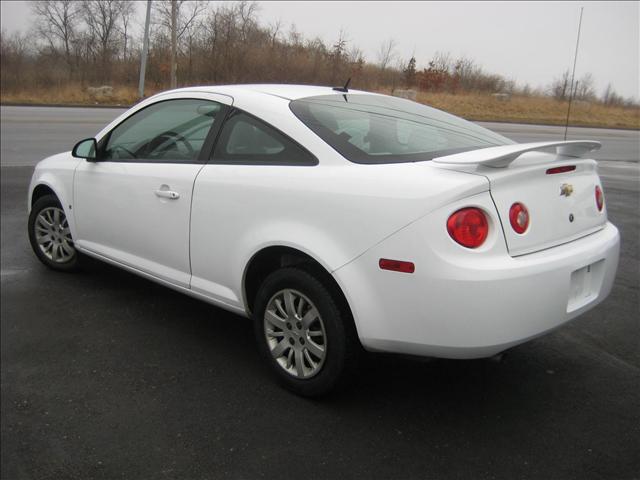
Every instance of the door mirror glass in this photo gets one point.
(86, 148)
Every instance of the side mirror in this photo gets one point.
(86, 148)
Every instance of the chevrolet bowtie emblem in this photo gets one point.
(566, 190)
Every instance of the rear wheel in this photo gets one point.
(302, 332)
(50, 236)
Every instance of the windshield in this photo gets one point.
(381, 129)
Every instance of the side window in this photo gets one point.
(169, 131)
(246, 140)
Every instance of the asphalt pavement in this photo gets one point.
(107, 375)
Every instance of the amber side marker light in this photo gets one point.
(397, 265)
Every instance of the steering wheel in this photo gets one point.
(165, 140)
(126, 150)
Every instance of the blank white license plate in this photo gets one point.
(585, 285)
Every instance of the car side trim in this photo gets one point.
(231, 308)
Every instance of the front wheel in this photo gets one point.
(303, 332)
(50, 236)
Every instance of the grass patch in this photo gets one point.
(539, 110)
(72, 94)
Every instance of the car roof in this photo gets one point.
(285, 91)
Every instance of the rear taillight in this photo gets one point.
(469, 227)
(599, 198)
(519, 217)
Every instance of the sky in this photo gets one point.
(529, 42)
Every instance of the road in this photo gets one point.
(107, 375)
(58, 129)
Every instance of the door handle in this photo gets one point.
(167, 194)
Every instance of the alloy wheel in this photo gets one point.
(53, 235)
(295, 333)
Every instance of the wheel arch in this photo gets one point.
(61, 185)
(271, 258)
(40, 191)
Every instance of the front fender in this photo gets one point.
(56, 173)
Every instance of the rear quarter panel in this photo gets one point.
(332, 213)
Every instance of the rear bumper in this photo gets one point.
(461, 304)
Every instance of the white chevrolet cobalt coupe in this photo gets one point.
(335, 219)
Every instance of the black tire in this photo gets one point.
(68, 265)
(342, 345)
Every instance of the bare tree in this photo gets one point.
(561, 86)
(56, 25)
(187, 13)
(611, 97)
(246, 12)
(386, 53)
(212, 40)
(295, 37)
(338, 55)
(409, 72)
(355, 56)
(441, 62)
(14, 52)
(16, 43)
(608, 92)
(102, 18)
(128, 12)
(274, 32)
(584, 89)
(467, 72)
(177, 17)
(339, 48)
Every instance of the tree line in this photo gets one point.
(98, 42)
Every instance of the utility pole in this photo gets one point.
(575, 59)
(145, 51)
(174, 44)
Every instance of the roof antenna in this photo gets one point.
(572, 90)
(344, 89)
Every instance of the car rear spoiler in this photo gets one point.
(503, 155)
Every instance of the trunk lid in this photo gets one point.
(562, 206)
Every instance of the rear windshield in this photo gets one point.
(380, 129)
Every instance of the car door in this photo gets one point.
(244, 187)
(133, 205)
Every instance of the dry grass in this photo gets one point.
(540, 110)
(72, 94)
